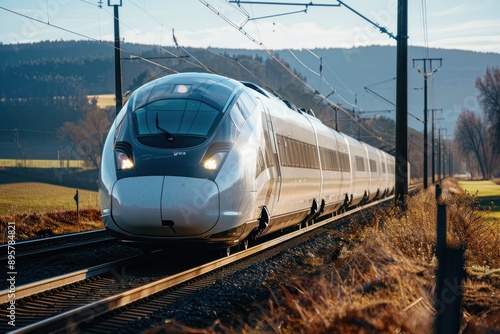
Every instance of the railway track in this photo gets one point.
(123, 288)
(47, 246)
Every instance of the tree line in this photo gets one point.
(46, 86)
(477, 136)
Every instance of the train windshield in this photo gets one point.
(176, 116)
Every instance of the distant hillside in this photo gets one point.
(348, 71)
(70, 67)
(45, 84)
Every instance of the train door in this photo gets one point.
(271, 155)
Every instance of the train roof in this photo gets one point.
(212, 89)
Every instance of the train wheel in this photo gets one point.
(245, 244)
(228, 251)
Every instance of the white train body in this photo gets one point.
(200, 158)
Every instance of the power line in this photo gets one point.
(200, 63)
(151, 42)
(273, 56)
(51, 25)
(84, 36)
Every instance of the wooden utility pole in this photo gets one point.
(77, 201)
(433, 147)
(118, 66)
(401, 186)
(426, 75)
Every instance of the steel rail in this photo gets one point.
(56, 243)
(62, 280)
(87, 313)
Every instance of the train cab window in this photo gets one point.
(383, 167)
(178, 116)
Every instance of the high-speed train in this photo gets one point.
(196, 158)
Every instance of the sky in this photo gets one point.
(449, 24)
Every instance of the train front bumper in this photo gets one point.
(164, 206)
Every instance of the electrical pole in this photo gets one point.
(425, 75)
(439, 155)
(401, 185)
(433, 148)
(118, 66)
(450, 163)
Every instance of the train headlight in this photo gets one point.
(124, 161)
(214, 161)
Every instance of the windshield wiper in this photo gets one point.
(170, 136)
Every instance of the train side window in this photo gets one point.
(360, 163)
(312, 157)
(326, 158)
(303, 152)
(383, 167)
(331, 161)
(269, 149)
(391, 167)
(315, 157)
(344, 162)
(373, 166)
(237, 116)
(261, 164)
(335, 161)
(284, 151)
(247, 104)
(308, 163)
(295, 153)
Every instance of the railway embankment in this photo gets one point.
(378, 275)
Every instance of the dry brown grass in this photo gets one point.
(37, 225)
(383, 280)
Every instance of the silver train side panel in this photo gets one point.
(299, 184)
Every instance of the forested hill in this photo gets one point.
(68, 67)
(44, 84)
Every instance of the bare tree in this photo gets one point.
(472, 138)
(88, 134)
(489, 96)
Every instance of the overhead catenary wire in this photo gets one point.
(109, 44)
(198, 64)
(272, 55)
(252, 74)
(323, 79)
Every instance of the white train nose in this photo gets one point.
(165, 206)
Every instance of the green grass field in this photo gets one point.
(19, 194)
(104, 100)
(489, 194)
(32, 163)
(482, 188)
